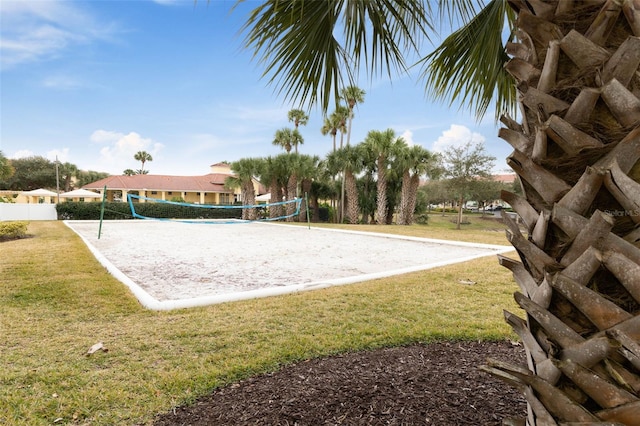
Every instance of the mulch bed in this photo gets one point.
(431, 384)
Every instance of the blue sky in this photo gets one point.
(93, 82)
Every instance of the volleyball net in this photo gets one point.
(157, 209)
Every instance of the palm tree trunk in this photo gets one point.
(353, 207)
(414, 183)
(381, 202)
(459, 219)
(576, 153)
(292, 187)
(405, 194)
(249, 198)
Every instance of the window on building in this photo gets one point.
(225, 199)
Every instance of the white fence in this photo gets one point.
(19, 211)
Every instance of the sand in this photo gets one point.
(170, 265)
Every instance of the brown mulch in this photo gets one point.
(431, 384)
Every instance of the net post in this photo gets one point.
(306, 203)
(104, 199)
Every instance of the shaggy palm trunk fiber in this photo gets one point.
(576, 152)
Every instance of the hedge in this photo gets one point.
(71, 210)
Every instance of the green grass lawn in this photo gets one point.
(56, 301)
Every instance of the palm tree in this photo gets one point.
(272, 172)
(308, 172)
(129, 172)
(287, 139)
(380, 145)
(298, 117)
(413, 162)
(353, 95)
(330, 128)
(341, 115)
(573, 71)
(334, 123)
(143, 157)
(293, 165)
(350, 161)
(245, 171)
(68, 171)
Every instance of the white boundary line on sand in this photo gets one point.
(152, 303)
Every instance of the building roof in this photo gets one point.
(212, 182)
(505, 178)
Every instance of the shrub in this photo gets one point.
(13, 230)
(421, 219)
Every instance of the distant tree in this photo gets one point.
(336, 122)
(129, 172)
(142, 157)
(89, 176)
(31, 173)
(287, 138)
(298, 117)
(340, 116)
(380, 144)
(413, 163)
(67, 172)
(465, 167)
(6, 169)
(272, 173)
(488, 190)
(308, 172)
(349, 160)
(245, 170)
(352, 95)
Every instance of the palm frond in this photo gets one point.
(469, 65)
(311, 49)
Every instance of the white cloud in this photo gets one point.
(456, 136)
(61, 155)
(36, 30)
(170, 2)
(23, 153)
(61, 82)
(117, 153)
(407, 135)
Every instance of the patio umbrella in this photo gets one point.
(41, 192)
(80, 193)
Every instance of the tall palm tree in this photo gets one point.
(298, 117)
(330, 127)
(245, 171)
(287, 139)
(350, 161)
(142, 157)
(341, 116)
(413, 162)
(380, 144)
(335, 122)
(352, 95)
(574, 71)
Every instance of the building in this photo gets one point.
(206, 189)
